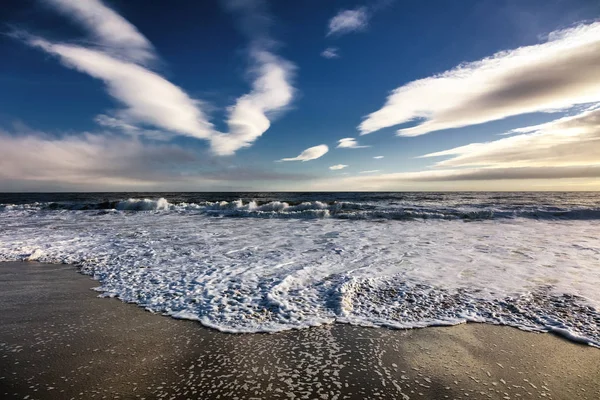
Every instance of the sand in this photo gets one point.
(58, 340)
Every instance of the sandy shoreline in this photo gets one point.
(58, 340)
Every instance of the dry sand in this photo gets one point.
(59, 341)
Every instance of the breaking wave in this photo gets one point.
(319, 209)
(276, 261)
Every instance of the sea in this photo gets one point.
(268, 262)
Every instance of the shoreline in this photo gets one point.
(58, 339)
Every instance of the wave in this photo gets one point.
(265, 275)
(318, 209)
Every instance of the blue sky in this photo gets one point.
(256, 95)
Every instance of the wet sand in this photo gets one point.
(59, 341)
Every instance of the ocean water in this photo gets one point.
(265, 262)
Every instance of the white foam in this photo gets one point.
(250, 275)
(143, 205)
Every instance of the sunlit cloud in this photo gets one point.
(31, 160)
(557, 74)
(347, 21)
(467, 179)
(148, 97)
(338, 167)
(484, 174)
(272, 89)
(568, 141)
(248, 118)
(129, 129)
(118, 59)
(111, 31)
(349, 143)
(378, 157)
(565, 151)
(330, 52)
(87, 159)
(312, 153)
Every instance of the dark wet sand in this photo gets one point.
(59, 341)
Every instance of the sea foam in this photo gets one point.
(272, 274)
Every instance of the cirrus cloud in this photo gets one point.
(338, 167)
(312, 153)
(347, 21)
(557, 74)
(272, 89)
(248, 118)
(349, 143)
(119, 57)
(148, 97)
(111, 30)
(569, 141)
(330, 52)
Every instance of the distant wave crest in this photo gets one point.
(317, 209)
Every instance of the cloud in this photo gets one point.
(152, 101)
(468, 179)
(566, 148)
(568, 141)
(378, 157)
(565, 152)
(31, 160)
(272, 91)
(111, 30)
(349, 143)
(330, 52)
(311, 153)
(347, 21)
(148, 97)
(557, 74)
(129, 129)
(486, 174)
(338, 167)
(87, 160)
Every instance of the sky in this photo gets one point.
(315, 95)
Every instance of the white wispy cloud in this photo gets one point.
(371, 171)
(312, 153)
(148, 97)
(330, 52)
(569, 141)
(119, 57)
(482, 174)
(272, 89)
(111, 30)
(129, 129)
(468, 179)
(347, 21)
(378, 157)
(566, 148)
(338, 167)
(349, 143)
(248, 118)
(556, 74)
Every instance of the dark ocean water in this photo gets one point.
(349, 205)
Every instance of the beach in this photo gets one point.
(59, 340)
